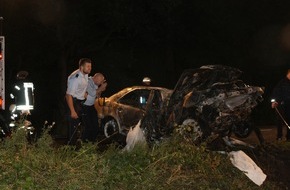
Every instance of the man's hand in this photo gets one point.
(103, 86)
(74, 115)
(101, 89)
(274, 104)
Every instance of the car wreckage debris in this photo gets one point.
(210, 100)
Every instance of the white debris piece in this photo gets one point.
(134, 136)
(244, 163)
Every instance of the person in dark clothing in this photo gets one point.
(281, 102)
(23, 92)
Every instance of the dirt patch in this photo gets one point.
(274, 160)
(273, 157)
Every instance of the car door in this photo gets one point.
(131, 107)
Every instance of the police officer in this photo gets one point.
(75, 96)
(96, 85)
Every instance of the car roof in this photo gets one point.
(129, 89)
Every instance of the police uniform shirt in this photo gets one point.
(92, 92)
(77, 85)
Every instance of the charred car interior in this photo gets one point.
(124, 109)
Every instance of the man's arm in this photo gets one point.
(71, 89)
(101, 89)
(69, 101)
(276, 96)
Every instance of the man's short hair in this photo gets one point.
(82, 61)
(98, 75)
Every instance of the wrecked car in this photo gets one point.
(124, 109)
(210, 100)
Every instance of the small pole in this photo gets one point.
(1, 25)
(282, 117)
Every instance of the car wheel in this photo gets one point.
(195, 129)
(190, 130)
(111, 128)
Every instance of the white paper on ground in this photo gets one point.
(244, 163)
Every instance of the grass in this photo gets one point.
(173, 164)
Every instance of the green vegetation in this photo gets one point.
(173, 164)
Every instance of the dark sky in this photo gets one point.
(128, 40)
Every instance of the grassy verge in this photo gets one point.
(174, 164)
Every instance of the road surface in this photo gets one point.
(268, 132)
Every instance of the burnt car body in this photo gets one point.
(124, 109)
(211, 100)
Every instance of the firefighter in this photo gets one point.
(24, 96)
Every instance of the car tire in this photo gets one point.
(197, 132)
(111, 128)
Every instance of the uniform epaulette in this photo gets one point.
(75, 74)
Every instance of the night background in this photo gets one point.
(128, 40)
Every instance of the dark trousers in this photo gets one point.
(285, 112)
(75, 125)
(279, 124)
(91, 125)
